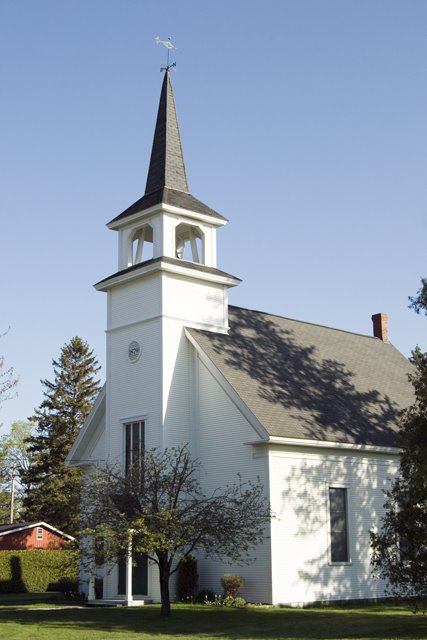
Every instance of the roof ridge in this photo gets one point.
(313, 324)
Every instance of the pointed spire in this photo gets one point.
(167, 167)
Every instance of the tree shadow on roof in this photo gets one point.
(282, 371)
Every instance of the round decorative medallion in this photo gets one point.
(134, 351)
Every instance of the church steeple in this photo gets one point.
(166, 180)
(168, 228)
(167, 167)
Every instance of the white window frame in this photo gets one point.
(346, 487)
(39, 533)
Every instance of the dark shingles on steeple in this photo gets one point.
(172, 197)
(167, 167)
(167, 179)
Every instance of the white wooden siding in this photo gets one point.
(135, 301)
(196, 304)
(176, 385)
(299, 481)
(135, 388)
(223, 430)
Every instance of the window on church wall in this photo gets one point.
(134, 447)
(338, 514)
(189, 243)
(142, 244)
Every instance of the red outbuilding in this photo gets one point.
(31, 535)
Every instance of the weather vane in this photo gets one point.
(169, 45)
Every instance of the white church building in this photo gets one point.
(310, 410)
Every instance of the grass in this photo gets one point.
(210, 623)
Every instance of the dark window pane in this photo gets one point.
(134, 446)
(337, 499)
(128, 446)
(136, 456)
(339, 552)
(338, 524)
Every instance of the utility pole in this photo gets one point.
(12, 491)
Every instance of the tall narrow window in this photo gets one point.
(39, 535)
(339, 524)
(134, 446)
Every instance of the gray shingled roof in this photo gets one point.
(195, 266)
(167, 179)
(12, 527)
(307, 381)
(171, 197)
(167, 167)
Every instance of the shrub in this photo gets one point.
(37, 570)
(188, 577)
(238, 602)
(205, 596)
(231, 584)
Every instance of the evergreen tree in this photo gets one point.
(52, 489)
(400, 548)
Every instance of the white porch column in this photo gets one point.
(91, 586)
(91, 572)
(128, 593)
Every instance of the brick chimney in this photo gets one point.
(380, 322)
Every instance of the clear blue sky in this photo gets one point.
(303, 122)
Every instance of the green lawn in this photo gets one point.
(209, 623)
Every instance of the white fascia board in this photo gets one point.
(87, 430)
(229, 390)
(192, 274)
(324, 444)
(165, 208)
(32, 525)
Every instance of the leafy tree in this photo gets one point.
(14, 461)
(7, 380)
(53, 490)
(4, 506)
(163, 512)
(400, 548)
(419, 302)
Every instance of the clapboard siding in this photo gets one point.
(194, 303)
(223, 431)
(28, 539)
(299, 481)
(176, 385)
(135, 388)
(135, 301)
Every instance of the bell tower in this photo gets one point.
(168, 229)
(167, 279)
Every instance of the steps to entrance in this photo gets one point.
(118, 603)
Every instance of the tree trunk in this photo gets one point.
(164, 569)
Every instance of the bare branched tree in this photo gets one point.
(7, 379)
(162, 509)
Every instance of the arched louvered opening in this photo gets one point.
(189, 243)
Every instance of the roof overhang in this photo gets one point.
(31, 525)
(325, 444)
(85, 435)
(180, 268)
(162, 208)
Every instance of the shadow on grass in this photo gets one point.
(206, 622)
